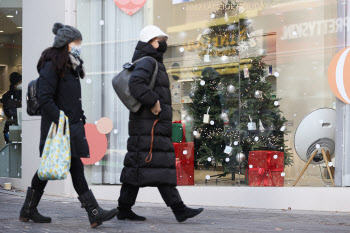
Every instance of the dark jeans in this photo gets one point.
(128, 195)
(78, 178)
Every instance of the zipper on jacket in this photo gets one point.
(30, 202)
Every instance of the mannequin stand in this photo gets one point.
(326, 159)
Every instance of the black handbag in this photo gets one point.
(121, 84)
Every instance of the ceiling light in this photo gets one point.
(19, 27)
(1, 31)
(9, 16)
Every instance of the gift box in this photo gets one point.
(179, 129)
(184, 152)
(266, 168)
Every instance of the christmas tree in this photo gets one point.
(234, 107)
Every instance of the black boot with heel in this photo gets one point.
(126, 213)
(96, 214)
(29, 210)
(182, 212)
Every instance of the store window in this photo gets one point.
(245, 77)
(10, 87)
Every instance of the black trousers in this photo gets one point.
(128, 195)
(78, 178)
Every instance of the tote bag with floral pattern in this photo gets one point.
(56, 157)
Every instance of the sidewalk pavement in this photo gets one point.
(67, 216)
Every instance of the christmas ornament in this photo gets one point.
(276, 103)
(206, 117)
(202, 83)
(246, 72)
(261, 127)
(227, 160)
(204, 98)
(224, 117)
(251, 124)
(240, 157)
(258, 94)
(263, 79)
(189, 119)
(244, 104)
(191, 95)
(130, 7)
(228, 149)
(252, 42)
(212, 122)
(231, 88)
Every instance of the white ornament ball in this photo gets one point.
(275, 156)
(207, 177)
(227, 160)
(250, 166)
(195, 133)
(240, 157)
(224, 116)
(276, 103)
(258, 94)
(235, 143)
(212, 16)
(283, 128)
(202, 82)
(283, 174)
(256, 139)
(209, 159)
(212, 122)
(185, 152)
(189, 119)
(231, 88)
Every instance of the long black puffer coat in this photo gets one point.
(161, 169)
(64, 94)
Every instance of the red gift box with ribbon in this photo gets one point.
(266, 168)
(184, 152)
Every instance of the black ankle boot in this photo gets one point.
(96, 214)
(182, 212)
(29, 210)
(126, 213)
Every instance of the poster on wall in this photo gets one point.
(181, 1)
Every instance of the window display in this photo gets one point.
(242, 76)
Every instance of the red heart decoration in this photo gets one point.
(130, 6)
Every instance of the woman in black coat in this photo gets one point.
(60, 69)
(150, 160)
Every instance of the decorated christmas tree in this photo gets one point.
(234, 108)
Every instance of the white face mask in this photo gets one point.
(19, 87)
(76, 49)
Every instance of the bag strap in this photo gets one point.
(155, 72)
(149, 157)
(61, 122)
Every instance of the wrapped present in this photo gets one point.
(266, 168)
(179, 129)
(184, 152)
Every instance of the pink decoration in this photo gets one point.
(130, 6)
(97, 144)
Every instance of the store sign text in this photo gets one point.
(314, 28)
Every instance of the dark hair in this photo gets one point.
(59, 58)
